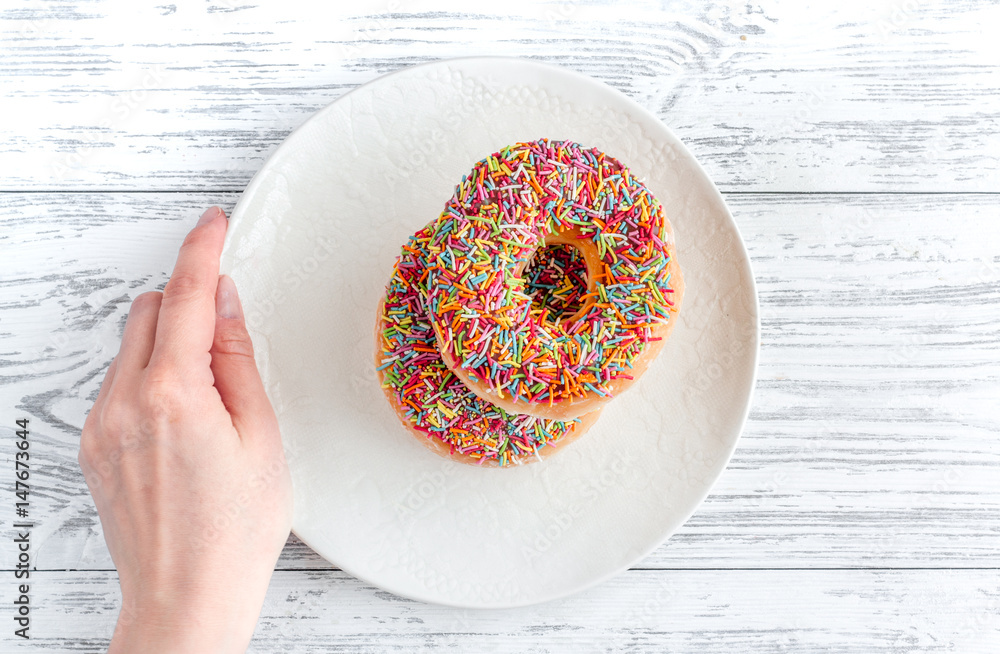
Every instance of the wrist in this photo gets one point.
(166, 623)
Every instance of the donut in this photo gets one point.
(516, 354)
(430, 400)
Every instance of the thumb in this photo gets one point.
(234, 367)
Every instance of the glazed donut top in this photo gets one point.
(505, 209)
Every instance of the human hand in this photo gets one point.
(182, 454)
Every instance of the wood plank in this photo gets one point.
(883, 95)
(877, 612)
(872, 441)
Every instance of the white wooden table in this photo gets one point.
(858, 146)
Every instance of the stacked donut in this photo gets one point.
(543, 290)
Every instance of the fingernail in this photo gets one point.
(227, 301)
(209, 215)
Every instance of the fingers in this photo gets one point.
(186, 322)
(140, 334)
(102, 395)
(137, 345)
(109, 376)
(235, 370)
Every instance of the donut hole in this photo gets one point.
(556, 280)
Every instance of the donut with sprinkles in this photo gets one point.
(513, 352)
(430, 400)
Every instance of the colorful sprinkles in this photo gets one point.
(429, 395)
(500, 214)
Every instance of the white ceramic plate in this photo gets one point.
(311, 245)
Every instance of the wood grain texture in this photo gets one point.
(873, 437)
(888, 95)
(858, 145)
(871, 611)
